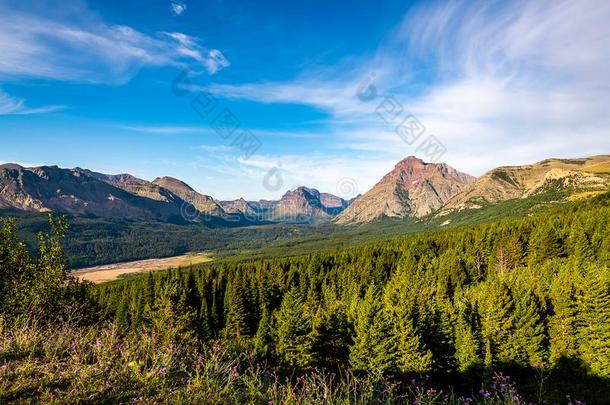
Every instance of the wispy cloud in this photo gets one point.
(215, 148)
(16, 106)
(177, 7)
(165, 129)
(81, 47)
(213, 60)
(497, 82)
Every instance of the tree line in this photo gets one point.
(530, 292)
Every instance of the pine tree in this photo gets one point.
(544, 244)
(293, 328)
(264, 341)
(122, 317)
(401, 306)
(205, 328)
(170, 317)
(411, 356)
(496, 309)
(467, 344)
(529, 336)
(374, 345)
(330, 337)
(237, 306)
(594, 313)
(582, 251)
(563, 324)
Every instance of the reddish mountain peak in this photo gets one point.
(410, 161)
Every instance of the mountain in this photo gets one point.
(76, 192)
(203, 203)
(307, 204)
(300, 205)
(85, 193)
(412, 189)
(568, 177)
(241, 206)
(136, 186)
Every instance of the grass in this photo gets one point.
(69, 364)
(598, 168)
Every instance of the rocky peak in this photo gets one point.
(10, 166)
(413, 188)
(172, 184)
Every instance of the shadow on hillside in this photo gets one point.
(569, 377)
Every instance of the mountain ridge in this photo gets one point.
(414, 189)
(521, 181)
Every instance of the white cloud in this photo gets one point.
(16, 106)
(80, 47)
(165, 129)
(215, 148)
(178, 7)
(503, 82)
(246, 176)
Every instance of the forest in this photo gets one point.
(513, 311)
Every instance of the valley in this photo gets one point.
(111, 272)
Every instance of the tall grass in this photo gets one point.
(69, 364)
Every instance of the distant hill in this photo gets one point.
(571, 178)
(80, 193)
(85, 193)
(413, 189)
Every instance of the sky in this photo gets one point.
(250, 99)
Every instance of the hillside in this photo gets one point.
(75, 192)
(413, 189)
(568, 176)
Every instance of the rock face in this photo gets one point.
(412, 189)
(240, 206)
(203, 203)
(510, 182)
(303, 204)
(78, 193)
(82, 192)
(136, 186)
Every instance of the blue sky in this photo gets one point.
(321, 87)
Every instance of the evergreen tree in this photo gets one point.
(594, 311)
(544, 244)
(293, 328)
(581, 247)
(563, 324)
(170, 317)
(496, 309)
(528, 337)
(374, 345)
(237, 305)
(411, 356)
(263, 344)
(467, 344)
(330, 337)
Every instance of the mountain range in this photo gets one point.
(413, 189)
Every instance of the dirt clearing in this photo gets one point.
(109, 272)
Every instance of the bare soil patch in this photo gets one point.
(109, 272)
